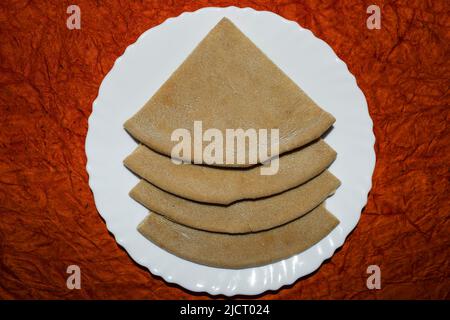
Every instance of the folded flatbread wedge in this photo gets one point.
(228, 83)
(223, 185)
(242, 216)
(239, 251)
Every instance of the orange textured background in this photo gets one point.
(49, 78)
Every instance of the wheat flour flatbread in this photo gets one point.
(242, 216)
(228, 83)
(223, 185)
(239, 251)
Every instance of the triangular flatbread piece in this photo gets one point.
(228, 83)
(224, 185)
(240, 217)
(239, 251)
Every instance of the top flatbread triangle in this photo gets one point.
(228, 83)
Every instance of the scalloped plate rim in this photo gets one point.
(121, 237)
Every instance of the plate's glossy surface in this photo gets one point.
(141, 70)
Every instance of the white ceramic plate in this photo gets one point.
(142, 69)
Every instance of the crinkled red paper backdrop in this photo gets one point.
(50, 76)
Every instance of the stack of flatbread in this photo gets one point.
(232, 216)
